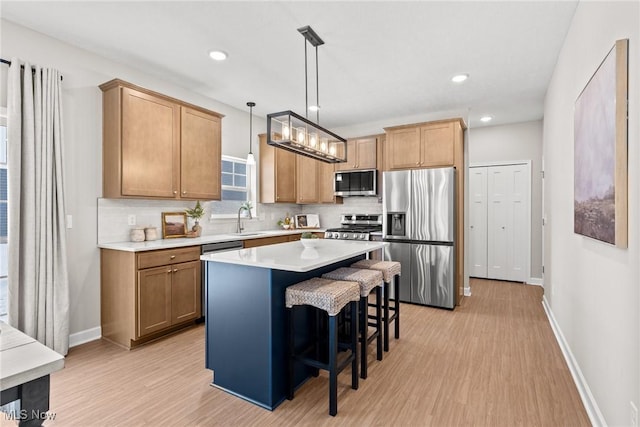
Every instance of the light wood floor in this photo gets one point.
(492, 362)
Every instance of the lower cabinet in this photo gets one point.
(145, 295)
(271, 240)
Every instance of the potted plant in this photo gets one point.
(286, 223)
(196, 213)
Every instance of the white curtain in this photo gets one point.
(38, 290)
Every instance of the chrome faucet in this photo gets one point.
(239, 228)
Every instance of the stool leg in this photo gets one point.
(379, 321)
(333, 366)
(354, 345)
(291, 353)
(363, 336)
(396, 290)
(386, 315)
(317, 340)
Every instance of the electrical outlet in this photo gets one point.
(634, 415)
(131, 220)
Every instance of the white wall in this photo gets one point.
(82, 108)
(592, 287)
(521, 141)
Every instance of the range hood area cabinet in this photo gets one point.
(427, 145)
(286, 177)
(361, 154)
(155, 146)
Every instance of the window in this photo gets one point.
(3, 220)
(238, 186)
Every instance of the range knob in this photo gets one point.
(336, 235)
(345, 235)
(363, 236)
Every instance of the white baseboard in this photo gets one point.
(535, 281)
(85, 336)
(595, 416)
(467, 291)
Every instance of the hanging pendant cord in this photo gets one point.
(317, 90)
(306, 90)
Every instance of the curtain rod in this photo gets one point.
(4, 61)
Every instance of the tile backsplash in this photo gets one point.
(113, 215)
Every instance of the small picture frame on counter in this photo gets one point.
(174, 224)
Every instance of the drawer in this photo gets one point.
(168, 256)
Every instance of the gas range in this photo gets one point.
(355, 227)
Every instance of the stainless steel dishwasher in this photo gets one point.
(211, 248)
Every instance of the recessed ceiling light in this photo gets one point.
(459, 78)
(314, 107)
(485, 119)
(218, 55)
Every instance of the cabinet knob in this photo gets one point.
(168, 271)
(175, 270)
(172, 256)
(417, 163)
(175, 191)
(184, 192)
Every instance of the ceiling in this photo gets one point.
(381, 60)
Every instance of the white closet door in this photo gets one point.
(497, 217)
(517, 223)
(478, 222)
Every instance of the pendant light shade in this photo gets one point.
(250, 159)
(300, 135)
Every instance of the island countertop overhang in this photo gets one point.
(293, 256)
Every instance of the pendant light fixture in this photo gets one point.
(250, 159)
(293, 132)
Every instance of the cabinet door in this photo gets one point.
(352, 159)
(436, 145)
(150, 149)
(326, 177)
(154, 300)
(200, 155)
(285, 176)
(403, 148)
(366, 153)
(263, 241)
(186, 292)
(307, 180)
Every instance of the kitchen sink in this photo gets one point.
(250, 233)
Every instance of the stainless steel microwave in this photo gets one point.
(355, 183)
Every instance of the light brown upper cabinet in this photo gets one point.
(361, 154)
(423, 145)
(307, 180)
(155, 146)
(326, 177)
(277, 174)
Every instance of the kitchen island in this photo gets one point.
(246, 315)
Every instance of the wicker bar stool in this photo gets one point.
(332, 296)
(390, 272)
(368, 280)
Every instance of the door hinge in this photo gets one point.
(542, 173)
(543, 269)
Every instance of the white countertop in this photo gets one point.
(293, 256)
(196, 241)
(23, 359)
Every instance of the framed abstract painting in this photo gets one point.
(600, 151)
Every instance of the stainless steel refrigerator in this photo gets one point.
(419, 224)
